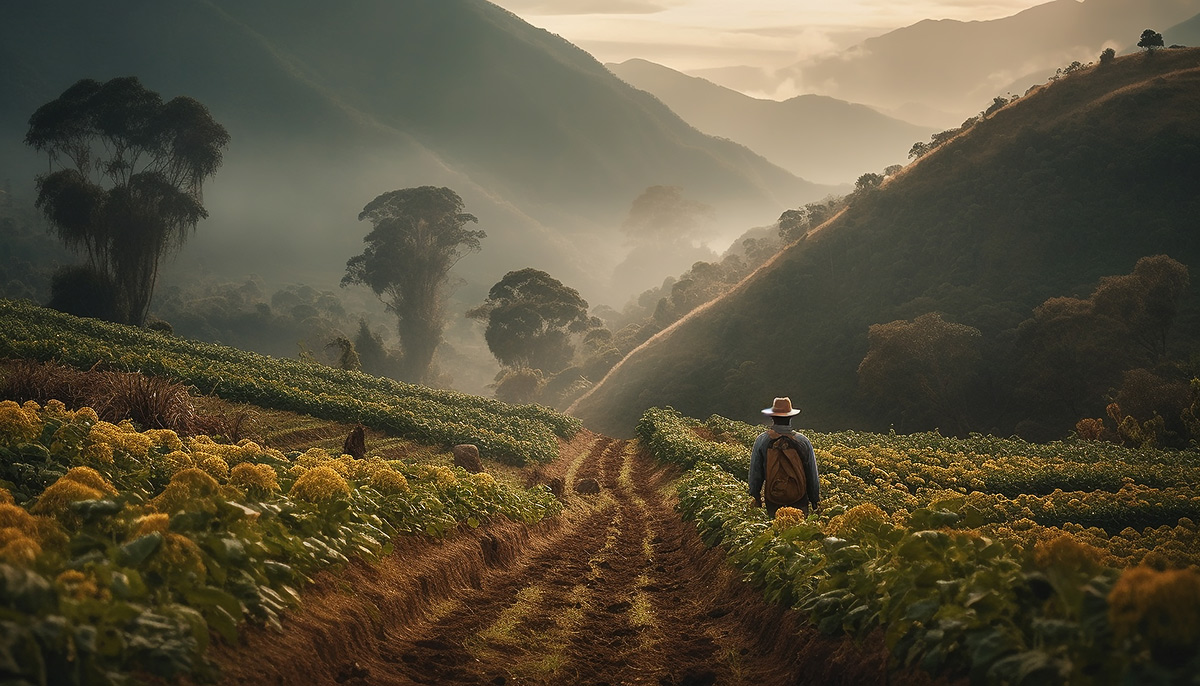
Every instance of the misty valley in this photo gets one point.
(403, 342)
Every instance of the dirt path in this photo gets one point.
(617, 591)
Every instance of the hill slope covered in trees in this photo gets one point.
(1042, 199)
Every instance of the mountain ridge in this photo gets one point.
(329, 106)
(1023, 207)
(816, 137)
(959, 66)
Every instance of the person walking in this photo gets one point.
(783, 467)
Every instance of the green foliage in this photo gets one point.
(154, 158)
(671, 437)
(1072, 183)
(904, 546)
(926, 366)
(531, 318)
(417, 236)
(1073, 351)
(84, 291)
(137, 577)
(514, 434)
(245, 314)
(657, 308)
(347, 356)
(30, 254)
(520, 385)
(1149, 40)
(664, 215)
(794, 224)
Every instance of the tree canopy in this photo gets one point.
(921, 367)
(531, 317)
(418, 235)
(1150, 40)
(664, 213)
(127, 175)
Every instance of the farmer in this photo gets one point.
(795, 483)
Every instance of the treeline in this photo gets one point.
(1042, 199)
(28, 254)
(1072, 356)
(1055, 210)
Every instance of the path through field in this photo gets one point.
(619, 590)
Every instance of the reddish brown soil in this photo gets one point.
(619, 590)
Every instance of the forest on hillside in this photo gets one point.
(1046, 246)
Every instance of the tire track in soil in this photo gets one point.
(618, 590)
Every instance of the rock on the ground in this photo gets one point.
(356, 443)
(466, 456)
(587, 487)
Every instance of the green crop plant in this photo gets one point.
(512, 433)
(1003, 586)
(124, 550)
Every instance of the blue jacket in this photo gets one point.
(758, 463)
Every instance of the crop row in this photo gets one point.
(123, 549)
(952, 600)
(512, 433)
(1082, 482)
(959, 580)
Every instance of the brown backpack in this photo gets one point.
(785, 482)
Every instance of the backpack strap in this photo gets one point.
(774, 435)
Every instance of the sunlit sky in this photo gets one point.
(702, 34)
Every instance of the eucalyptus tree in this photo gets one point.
(417, 236)
(125, 182)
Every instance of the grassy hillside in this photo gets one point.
(515, 434)
(813, 136)
(1044, 198)
(957, 66)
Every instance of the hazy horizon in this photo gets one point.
(703, 35)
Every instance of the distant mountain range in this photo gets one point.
(331, 104)
(1074, 182)
(1184, 33)
(956, 67)
(813, 136)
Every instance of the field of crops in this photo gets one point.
(1008, 561)
(120, 549)
(515, 434)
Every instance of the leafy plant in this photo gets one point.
(957, 580)
(124, 549)
(512, 433)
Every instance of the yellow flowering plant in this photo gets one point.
(197, 533)
(945, 544)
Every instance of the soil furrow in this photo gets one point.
(618, 590)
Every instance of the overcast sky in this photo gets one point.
(701, 34)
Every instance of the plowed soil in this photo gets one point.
(619, 590)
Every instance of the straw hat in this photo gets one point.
(782, 407)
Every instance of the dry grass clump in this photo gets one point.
(153, 402)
